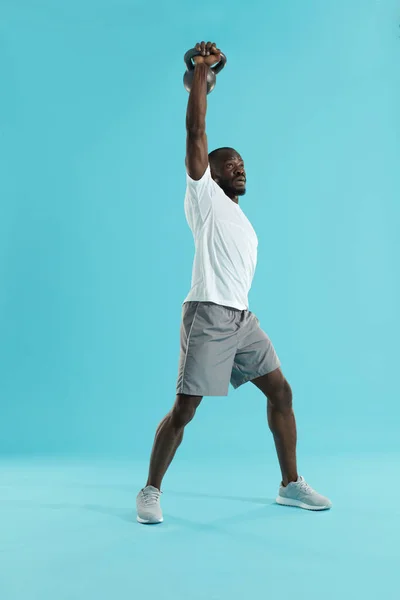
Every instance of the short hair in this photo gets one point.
(216, 156)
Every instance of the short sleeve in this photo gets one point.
(199, 194)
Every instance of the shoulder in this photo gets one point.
(204, 185)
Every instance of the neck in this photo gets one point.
(232, 196)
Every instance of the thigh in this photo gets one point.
(256, 355)
(208, 347)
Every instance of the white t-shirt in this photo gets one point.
(226, 245)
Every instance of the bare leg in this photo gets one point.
(169, 436)
(283, 426)
(281, 421)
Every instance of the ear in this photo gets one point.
(214, 175)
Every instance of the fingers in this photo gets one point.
(207, 48)
(217, 52)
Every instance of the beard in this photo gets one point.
(241, 191)
(231, 189)
(237, 191)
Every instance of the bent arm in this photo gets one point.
(196, 139)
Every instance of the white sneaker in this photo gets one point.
(300, 494)
(148, 506)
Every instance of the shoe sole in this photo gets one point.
(298, 504)
(147, 522)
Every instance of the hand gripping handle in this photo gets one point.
(193, 52)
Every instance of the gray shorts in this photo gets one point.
(221, 345)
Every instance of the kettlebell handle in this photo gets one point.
(190, 54)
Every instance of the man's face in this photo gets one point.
(231, 175)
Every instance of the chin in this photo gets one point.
(240, 192)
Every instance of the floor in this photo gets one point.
(68, 532)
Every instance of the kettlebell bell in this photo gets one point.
(211, 75)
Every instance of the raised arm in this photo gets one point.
(196, 140)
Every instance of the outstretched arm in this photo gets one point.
(196, 140)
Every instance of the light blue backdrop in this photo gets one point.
(95, 253)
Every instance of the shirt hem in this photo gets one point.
(226, 303)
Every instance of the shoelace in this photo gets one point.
(305, 487)
(151, 497)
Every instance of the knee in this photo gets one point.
(184, 409)
(281, 397)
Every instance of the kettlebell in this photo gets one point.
(211, 75)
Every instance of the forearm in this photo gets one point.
(197, 104)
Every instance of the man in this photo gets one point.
(221, 340)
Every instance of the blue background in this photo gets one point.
(95, 262)
(95, 251)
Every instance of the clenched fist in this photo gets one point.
(210, 54)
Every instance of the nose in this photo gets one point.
(240, 172)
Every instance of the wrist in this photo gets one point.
(201, 66)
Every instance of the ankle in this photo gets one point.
(287, 480)
(156, 485)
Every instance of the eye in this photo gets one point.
(229, 165)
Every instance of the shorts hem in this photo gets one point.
(201, 393)
(247, 379)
